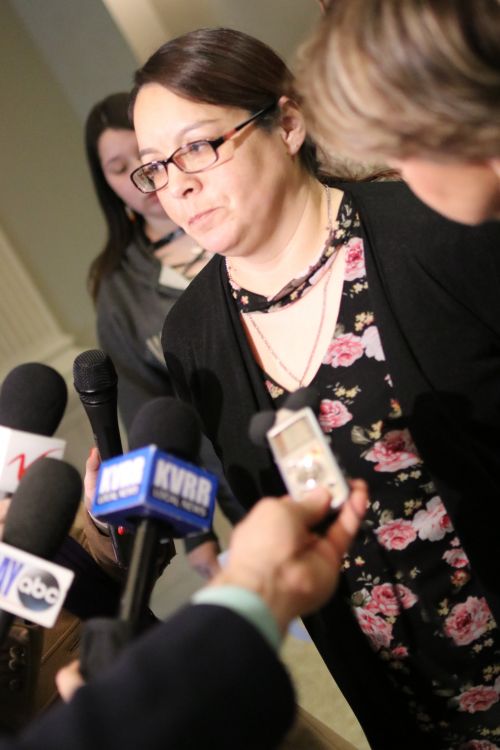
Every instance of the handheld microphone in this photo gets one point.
(301, 450)
(96, 382)
(159, 481)
(161, 492)
(33, 398)
(40, 516)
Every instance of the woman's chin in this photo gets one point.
(215, 242)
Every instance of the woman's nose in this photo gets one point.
(180, 183)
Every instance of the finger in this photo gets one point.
(68, 680)
(94, 460)
(345, 528)
(312, 507)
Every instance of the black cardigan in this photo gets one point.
(435, 290)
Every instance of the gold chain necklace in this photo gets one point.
(250, 316)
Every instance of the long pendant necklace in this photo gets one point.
(250, 316)
(294, 377)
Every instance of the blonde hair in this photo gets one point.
(395, 78)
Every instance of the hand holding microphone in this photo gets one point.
(96, 382)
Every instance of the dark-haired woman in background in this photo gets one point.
(385, 308)
(146, 264)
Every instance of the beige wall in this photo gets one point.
(46, 209)
(47, 206)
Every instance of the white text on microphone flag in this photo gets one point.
(31, 587)
(148, 483)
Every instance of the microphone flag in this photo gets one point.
(31, 587)
(149, 483)
(19, 449)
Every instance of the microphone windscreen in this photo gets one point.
(301, 398)
(170, 424)
(259, 425)
(43, 507)
(93, 371)
(33, 398)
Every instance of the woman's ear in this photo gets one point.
(292, 125)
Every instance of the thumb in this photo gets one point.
(313, 506)
(345, 528)
(94, 459)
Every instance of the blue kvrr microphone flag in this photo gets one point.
(149, 483)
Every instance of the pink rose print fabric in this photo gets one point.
(397, 534)
(432, 523)
(393, 452)
(468, 621)
(344, 350)
(333, 414)
(479, 698)
(355, 259)
(409, 581)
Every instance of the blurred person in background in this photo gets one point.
(415, 84)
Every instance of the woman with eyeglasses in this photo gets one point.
(361, 292)
(146, 264)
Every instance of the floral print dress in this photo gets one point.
(411, 586)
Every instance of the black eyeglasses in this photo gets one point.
(191, 158)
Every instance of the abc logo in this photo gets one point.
(38, 590)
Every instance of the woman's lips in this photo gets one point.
(201, 218)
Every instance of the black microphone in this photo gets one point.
(41, 513)
(33, 398)
(174, 428)
(96, 382)
(170, 424)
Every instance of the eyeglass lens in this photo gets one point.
(192, 158)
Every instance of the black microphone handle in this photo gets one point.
(104, 638)
(104, 423)
(102, 414)
(6, 620)
(141, 573)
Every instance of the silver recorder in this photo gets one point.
(304, 456)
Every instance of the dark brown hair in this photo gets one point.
(227, 68)
(111, 112)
